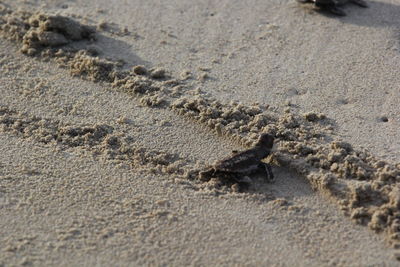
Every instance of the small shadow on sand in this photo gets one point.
(110, 48)
(288, 185)
(378, 15)
(115, 49)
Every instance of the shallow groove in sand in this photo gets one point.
(101, 139)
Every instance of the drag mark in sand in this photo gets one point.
(100, 139)
(365, 187)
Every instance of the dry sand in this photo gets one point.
(106, 119)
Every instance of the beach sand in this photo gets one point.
(109, 109)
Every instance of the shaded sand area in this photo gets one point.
(106, 120)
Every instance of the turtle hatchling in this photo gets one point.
(241, 164)
(333, 6)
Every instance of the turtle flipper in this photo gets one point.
(266, 168)
(243, 182)
(335, 10)
(242, 179)
(207, 174)
(360, 3)
(330, 6)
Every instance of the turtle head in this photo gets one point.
(265, 140)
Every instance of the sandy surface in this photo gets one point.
(93, 172)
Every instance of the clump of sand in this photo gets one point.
(53, 31)
(82, 64)
(38, 31)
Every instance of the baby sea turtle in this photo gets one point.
(333, 6)
(241, 164)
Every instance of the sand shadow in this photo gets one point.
(117, 50)
(109, 48)
(288, 185)
(378, 15)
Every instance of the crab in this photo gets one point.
(333, 6)
(240, 165)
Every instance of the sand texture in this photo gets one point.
(110, 111)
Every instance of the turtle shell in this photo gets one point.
(243, 162)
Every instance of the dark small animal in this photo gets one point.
(333, 6)
(237, 167)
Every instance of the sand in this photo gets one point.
(110, 110)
